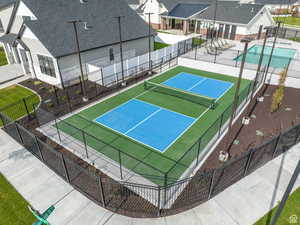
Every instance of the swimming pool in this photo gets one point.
(280, 59)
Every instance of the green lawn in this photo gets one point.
(162, 161)
(291, 208)
(295, 21)
(14, 94)
(158, 45)
(295, 39)
(3, 60)
(13, 208)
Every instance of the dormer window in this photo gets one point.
(26, 18)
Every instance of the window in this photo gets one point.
(46, 65)
(1, 26)
(26, 18)
(111, 54)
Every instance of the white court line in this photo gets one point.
(165, 108)
(204, 79)
(144, 120)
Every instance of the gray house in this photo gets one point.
(233, 20)
(37, 34)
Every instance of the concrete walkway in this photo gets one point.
(242, 203)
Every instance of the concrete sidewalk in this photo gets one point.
(242, 203)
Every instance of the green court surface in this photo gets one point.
(139, 158)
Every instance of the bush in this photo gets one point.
(279, 93)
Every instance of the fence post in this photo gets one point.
(248, 162)
(196, 52)
(65, 167)
(199, 147)
(55, 93)
(276, 144)
(221, 124)
(2, 120)
(170, 60)
(120, 164)
(236, 62)
(165, 189)
(215, 59)
(85, 145)
(211, 185)
(39, 148)
(18, 131)
(100, 186)
(26, 108)
(158, 201)
(58, 133)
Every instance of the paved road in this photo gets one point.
(242, 203)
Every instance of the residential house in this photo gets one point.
(230, 19)
(278, 6)
(42, 38)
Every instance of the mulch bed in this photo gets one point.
(263, 126)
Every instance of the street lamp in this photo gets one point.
(273, 47)
(149, 37)
(74, 22)
(121, 44)
(268, 28)
(224, 155)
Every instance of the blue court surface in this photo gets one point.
(195, 84)
(148, 124)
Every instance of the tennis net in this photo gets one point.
(199, 99)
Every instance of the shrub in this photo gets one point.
(279, 92)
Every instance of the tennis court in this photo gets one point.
(154, 124)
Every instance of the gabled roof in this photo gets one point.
(231, 12)
(57, 35)
(4, 3)
(186, 10)
(170, 4)
(276, 2)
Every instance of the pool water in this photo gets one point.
(280, 59)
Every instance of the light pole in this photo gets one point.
(74, 22)
(271, 55)
(121, 44)
(149, 37)
(214, 23)
(258, 68)
(224, 155)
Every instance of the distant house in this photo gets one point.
(36, 34)
(278, 6)
(233, 20)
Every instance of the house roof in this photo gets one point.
(132, 2)
(57, 35)
(8, 38)
(230, 12)
(276, 2)
(170, 4)
(186, 10)
(4, 3)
